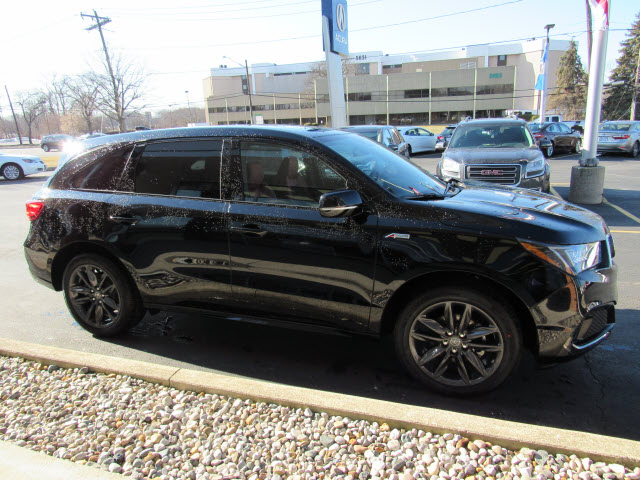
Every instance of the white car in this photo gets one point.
(15, 167)
(419, 139)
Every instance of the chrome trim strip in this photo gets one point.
(605, 333)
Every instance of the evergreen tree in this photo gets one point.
(570, 96)
(617, 104)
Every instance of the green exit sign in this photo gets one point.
(495, 75)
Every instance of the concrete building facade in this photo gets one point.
(426, 88)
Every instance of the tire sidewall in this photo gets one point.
(130, 305)
(498, 310)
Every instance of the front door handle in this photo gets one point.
(250, 230)
(126, 220)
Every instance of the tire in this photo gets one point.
(100, 295)
(45, 147)
(550, 150)
(409, 152)
(12, 171)
(578, 146)
(635, 150)
(458, 363)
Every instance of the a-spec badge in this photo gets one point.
(403, 236)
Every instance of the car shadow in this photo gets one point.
(588, 394)
(35, 178)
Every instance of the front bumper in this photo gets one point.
(579, 316)
(31, 168)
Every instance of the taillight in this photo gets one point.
(621, 137)
(34, 209)
(538, 135)
(440, 137)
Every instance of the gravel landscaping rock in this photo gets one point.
(147, 431)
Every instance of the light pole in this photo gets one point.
(545, 73)
(189, 105)
(246, 68)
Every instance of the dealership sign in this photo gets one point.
(336, 13)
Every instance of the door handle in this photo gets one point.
(250, 230)
(126, 220)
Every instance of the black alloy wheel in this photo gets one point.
(458, 341)
(100, 296)
(45, 147)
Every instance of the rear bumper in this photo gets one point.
(622, 146)
(577, 317)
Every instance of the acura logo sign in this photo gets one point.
(341, 17)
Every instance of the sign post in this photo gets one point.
(587, 179)
(336, 42)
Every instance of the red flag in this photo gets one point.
(600, 13)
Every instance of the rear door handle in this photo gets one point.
(250, 230)
(126, 220)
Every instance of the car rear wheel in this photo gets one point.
(635, 150)
(409, 151)
(550, 150)
(458, 341)
(12, 171)
(578, 146)
(100, 296)
(45, 147)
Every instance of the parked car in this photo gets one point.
(499, 151)
(49, 142)
(442, 140)
(16, 167)
(323, 229)
(556, 136)
(419, 139)
(387, 135)
(620, 137)
(91, 135)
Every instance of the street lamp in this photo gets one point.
(189, 105)
(246, 67)
(545, 73)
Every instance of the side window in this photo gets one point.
(274, 173)
(181, 168)
(553, 128)
(410, 133)
(424, 133)
(564, 128)
(102, 174)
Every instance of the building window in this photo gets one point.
(419, 93)
(494, 89)
(359, 97)
(459, 91)
(468, 65)
(502, 60)
(362, 69)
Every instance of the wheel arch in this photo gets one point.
(479, 282)
(67, 253)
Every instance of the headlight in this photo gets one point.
(535, 167)
(450, 168)
(571, 259)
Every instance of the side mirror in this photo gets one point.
(339, 204)
(393, 146)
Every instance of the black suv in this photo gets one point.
(49, 142)
(328, 229)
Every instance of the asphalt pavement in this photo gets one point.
(597, 393)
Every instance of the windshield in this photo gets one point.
(372, 134)
(492, 136)
(536, 127)
(391, 171)
(620, 127)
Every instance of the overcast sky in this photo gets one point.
(177, 45)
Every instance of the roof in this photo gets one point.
(364, 128)
(494, 121)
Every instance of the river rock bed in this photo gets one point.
(143, 430)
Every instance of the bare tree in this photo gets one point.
(319, 70)
(120, 89)
(83, 91)
(58, 95)
(32, 104)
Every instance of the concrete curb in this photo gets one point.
(501, 432)
(25, 464)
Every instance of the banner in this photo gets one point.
(600, 14)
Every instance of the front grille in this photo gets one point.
(596, 322)
(502, 174)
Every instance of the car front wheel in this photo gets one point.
(550, 150)
(100, 296)
(12, 171)
(45, 148)
(458, 341)
(578, 147)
